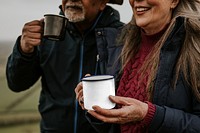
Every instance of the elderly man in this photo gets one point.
(88, 47)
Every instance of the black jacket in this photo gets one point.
(61, 65)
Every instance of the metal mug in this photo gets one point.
(96, 91)
(54, 26)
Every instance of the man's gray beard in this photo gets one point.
(74, 17)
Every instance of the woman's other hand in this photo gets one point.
(130, 111)
(79, 93)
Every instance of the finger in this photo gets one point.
(78, 88)
(42, 20)
(124, 101)
(31, 41)
(32, 35)
(123, 115)
(81, 103)
(107, 119)
(80, 95)
(87, 75)
(108, 112)
(80, 99)
(33, 29)
(34, 22)
(35, 26)
(34, 42)
(82, 107)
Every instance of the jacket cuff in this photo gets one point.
(98, 125)
(149, 116)
(157, 119)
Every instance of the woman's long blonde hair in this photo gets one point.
(188, 61)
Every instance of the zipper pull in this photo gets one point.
(97, 57)
(97, 63)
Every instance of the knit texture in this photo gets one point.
(129, 85)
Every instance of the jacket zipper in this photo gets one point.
(80, 71)
(80, 75)
(97, 64)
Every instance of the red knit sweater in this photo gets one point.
(129, 84)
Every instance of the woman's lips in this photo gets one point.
(141, 10)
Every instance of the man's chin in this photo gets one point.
(75, 20)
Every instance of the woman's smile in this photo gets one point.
(141, 10)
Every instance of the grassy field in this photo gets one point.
(18, 111)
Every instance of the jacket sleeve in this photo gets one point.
(102, 127)
(22, 71)
(171, 120)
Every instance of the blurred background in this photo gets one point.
(18, 111)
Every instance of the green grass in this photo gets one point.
(25, 128)
(18, 111)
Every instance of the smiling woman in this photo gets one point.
(159, 81)
(148, 14)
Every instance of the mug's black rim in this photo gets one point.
(89, 80)
(58, 15)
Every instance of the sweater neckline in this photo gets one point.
(148, 41)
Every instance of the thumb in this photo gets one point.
(87, 75)
(119, 100)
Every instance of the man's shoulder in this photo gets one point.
(110, 17)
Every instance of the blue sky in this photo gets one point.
(14, 14)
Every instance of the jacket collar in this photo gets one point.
(107, 18)
(175, 39)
